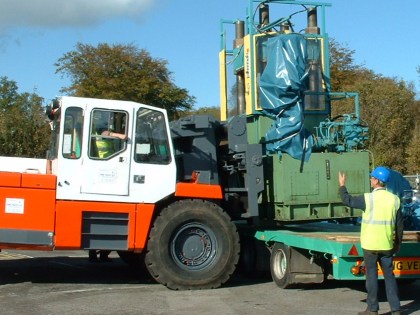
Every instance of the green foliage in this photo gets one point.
(343, 69)
(413, 150)
(24, 131)
(388, 107)
(122, 72)
(209, 110)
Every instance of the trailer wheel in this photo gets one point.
(280, 265)
(193, 244)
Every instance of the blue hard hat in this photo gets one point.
(381, 173)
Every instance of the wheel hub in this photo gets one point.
(194, 247)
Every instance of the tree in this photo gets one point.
(413, 150)
(387, 105)
(343, 70)
(206, 110)
(387, 108)
(122, 72)
(24, 131)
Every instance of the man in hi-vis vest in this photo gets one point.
(380, 236)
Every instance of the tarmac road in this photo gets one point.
(64, 283)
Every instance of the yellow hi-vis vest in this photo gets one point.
(105, 148)
(378, 220)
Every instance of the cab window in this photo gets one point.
(108, 133)
(73, 131)
(151, 139)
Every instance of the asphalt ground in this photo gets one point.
(64, 283)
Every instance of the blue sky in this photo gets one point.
(35, 34)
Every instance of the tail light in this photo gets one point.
(358, 269)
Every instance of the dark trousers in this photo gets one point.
(385, 260)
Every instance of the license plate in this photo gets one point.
(404, 266)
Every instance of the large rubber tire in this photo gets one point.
(248, 257)
(280, 265)
(193, 244)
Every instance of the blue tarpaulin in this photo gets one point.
(281, 88)
(401, 187)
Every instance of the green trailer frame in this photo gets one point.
(317, 251)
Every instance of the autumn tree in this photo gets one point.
(205, 110)
(387, 108)
(122, 72)
(344, 72)
(386, 105)
(24, 131)
(343, 69)
(413, 150)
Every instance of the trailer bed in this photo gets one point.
(340, 244)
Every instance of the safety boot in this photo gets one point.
(367, 312)
(396, 313)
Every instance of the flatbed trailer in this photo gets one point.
(314, 252)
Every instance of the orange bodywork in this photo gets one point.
(68, 228)
(195, 190)
(28, 203)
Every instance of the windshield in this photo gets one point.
(151, 141)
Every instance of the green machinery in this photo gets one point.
(282, 100)
(277, 151)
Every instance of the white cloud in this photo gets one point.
(64, 13)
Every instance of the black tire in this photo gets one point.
(248, 257)
(193, 244)
(280, 265)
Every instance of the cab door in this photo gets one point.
(106, 168)
(153, 166)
